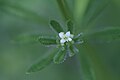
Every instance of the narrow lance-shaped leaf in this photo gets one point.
(94, 12)
(72, 50)
(91, 3)
(19, 11)
(56, 26)
(106, 35)
(64, 8)
(60, 56)
(78, 37)
(26, 39)
(70, 26)
(91, 65)
(47, 40)
(86, 68)
(42, 63)
(80, 8)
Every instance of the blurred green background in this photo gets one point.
(25, 17)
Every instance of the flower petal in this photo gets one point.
(69, 39)
(62, 41)
(61, 34)
(68, 34)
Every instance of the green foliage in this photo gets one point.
(86, 12)
(78, 37)
(26, 39)
(41, 64)
(93, 13)
(87, 69)
(47, 40)
(106, 35)
(80, 8)
(19, 11)
(72, 50)
(60, 56)
(70, 26)
(64, 50)
(64, 8)
(56, 26)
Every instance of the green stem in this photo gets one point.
(64, 9)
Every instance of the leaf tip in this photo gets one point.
(56, 26)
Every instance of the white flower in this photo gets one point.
(65, 37)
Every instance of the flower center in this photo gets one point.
(65, 37)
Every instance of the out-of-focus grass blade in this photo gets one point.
(94, 68)
(80, 8)
(56, 26)
(70, 26)
(95, 9)
(86, 68)
(45, 40)
(21, 12)
(106, 35)
(60, 56)
(91, 2)
(26, 39)
(64, 9)
(42, 63)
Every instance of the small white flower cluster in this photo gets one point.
(65, 37)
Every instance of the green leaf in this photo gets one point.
(80, 8)
(60, 56)
(45, 40)
(72, 50)
(70, 26)
(95, 9)
(56, 26)
(86, 68)
(26, 39)
(92, 66)
(106, 35)
(19, 11)
(78, 37)
(64, 9)
(41, 64)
